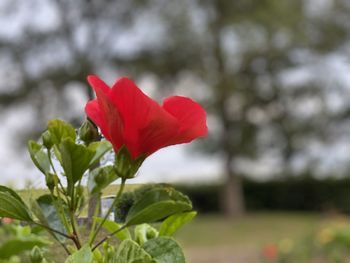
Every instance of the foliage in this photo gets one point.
(64, 159)
(17, 240)
(304, 193)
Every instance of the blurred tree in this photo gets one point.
(241, 49)
(56, 49)
(44, 55)
(238, 53)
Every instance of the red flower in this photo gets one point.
(6, 220)
(270, 252)
(126, 116)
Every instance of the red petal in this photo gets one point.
(94, 112)
(159, 132)
(191, 116)
(112, 123)
(128, 117)
(97, 84)
(147, 127)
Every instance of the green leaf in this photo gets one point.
(130, 252)
(100, 148)
(112, 226)
(100, 178)
(164, 250)
(13, 207)
(60, 130)
(174, 222)
(39, 157)
(57, 153)
(83, 255)
(44, 209)
(18, 245)
(75, 159)
(157, 204)
(144, 232)
(11, 192)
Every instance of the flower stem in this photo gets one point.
(59, 208)
(75, 230)
(52, 231)
(121, 189)
(58, 205)
(108, 237)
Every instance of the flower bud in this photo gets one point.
(51, 180)
(88, 132)
(36, 256)
(47, 141)
(125, 166)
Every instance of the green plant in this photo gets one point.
(135, 126)
(17, 240)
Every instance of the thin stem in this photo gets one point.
(108, 237)
(53, 230)
(62, 188)
(75, 233)
(51, 163)
(75, 230)
(97, 209)
(63, 246)
(76, 242)
(122, 185)
(58, 206)
(55, 172)
(60, 210)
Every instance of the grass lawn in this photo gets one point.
(212, 238)
(252, 229)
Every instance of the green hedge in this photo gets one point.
(304, 194)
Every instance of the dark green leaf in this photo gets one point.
(13, 207)
(75, 159)
(130, 252)
(157, 204)
(83, 255)
(60, 130)
(174, 222)
(46, 212)
(164, 250)
(112, 226)
(11, 192)
(39, 157)
(100, 178)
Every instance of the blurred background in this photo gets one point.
(274, 77)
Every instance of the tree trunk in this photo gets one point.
(232, 199)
